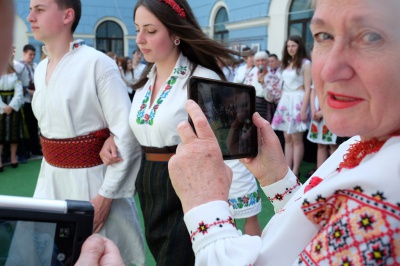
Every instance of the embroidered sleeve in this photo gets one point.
(209, 222)
(279, 193)
(215, 239)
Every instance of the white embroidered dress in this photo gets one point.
(86, 93)
(287, 115)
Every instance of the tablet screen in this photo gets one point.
(35, 243)
(229, 108)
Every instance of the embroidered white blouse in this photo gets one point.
(10, 83)
(352, 217)
(156, 125)
(249, 77)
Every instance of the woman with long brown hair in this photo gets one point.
(175, 48)
(292, 113)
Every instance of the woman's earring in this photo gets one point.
(177, 41)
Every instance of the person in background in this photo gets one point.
(127, 74)
(292, 112)
(261, 63)
(11, 100)
(247, 73)
(227, 70)
(32, 147)
(273, 86)
(138, 66)
(112, 55)
(319, 132)
(120, 59)
(76, 114)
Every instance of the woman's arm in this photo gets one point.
(307, 89)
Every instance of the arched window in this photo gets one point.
(221, 34)
(110, 38)
(300, 15)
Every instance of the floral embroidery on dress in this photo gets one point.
(142, 117)
(245, 201)
(327, 135)
(354, 229)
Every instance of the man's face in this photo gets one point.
(273, 62)
(46, 19)
(29, 55)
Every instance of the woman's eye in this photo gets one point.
(372, 37)
(322, 36)
(151, 32)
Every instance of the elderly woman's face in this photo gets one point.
(356, 66)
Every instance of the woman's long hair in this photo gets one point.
(124, 65)
(195, 45)
(297, 60)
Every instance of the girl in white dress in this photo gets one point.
(175, 53)
(292, 115)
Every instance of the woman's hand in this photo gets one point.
(109, 152)
(304, 115)
(194, 183)
(317, 116)
(270, 165)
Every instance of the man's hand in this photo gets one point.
(98, 250)
(270, 165)
(109, 152)
(198, 172)
(102, 208)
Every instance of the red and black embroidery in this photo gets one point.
(280, 197)
(205, 227)
(354, 229)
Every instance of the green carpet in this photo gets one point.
(21, 181)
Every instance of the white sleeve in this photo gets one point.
(119, 180)
(279, 193)
(18, 98)
(215, 239)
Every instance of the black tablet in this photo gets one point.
(43, 232)
(229, 108)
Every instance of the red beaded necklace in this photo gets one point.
(357, 152)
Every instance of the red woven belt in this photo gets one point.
(79, 152)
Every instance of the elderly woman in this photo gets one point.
(348, 213)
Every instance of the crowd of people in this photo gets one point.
(19, 131)
(135, 138)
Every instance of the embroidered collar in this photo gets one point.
(72, 45)
(76, 44)
(180, 71)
